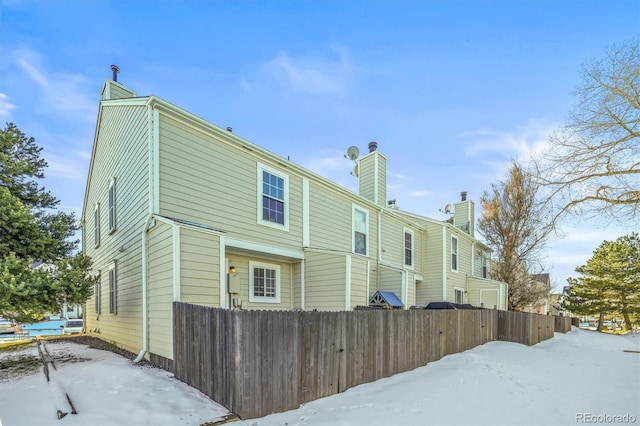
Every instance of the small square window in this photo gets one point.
(264, 282)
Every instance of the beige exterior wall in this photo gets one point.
(359, 285)
(120, 152)
(390, 280)
(207, 180)
(325, 281)
(160, 289)
(199, 267)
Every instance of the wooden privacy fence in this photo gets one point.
(563, 324)
(259, 362)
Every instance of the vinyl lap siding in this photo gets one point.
(330, 223)
(325, 281)
(205, 180)
(120, 152)
(160, 289)
(390, 280)
(393, 242)
(199, 267)
(359, 295)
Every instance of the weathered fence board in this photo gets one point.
(259, 362)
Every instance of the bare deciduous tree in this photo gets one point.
(593, 163)
(513, 223)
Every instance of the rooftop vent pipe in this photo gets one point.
(373, 146)
(229, 129)
(115, 70)
(463, 195)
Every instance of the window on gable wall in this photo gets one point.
(273, 197)
(408, 248)
(264, 282)
(96, 225)
(360, 228)
(113, 288)
(454, 253)
(485, 263)
(112, 205)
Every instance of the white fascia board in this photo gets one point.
(264, 248)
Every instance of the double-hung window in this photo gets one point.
(360, 219)
(113, 288)
(408, 248)
(112, 206)
(454, 253)
(264, 282)
(273, 198)
(96, 225)
(459, 294)
(485, 265)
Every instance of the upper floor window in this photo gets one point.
(360, 219)
(96, 225)
(113, 288)
(408, 248)
(264, 282)
(273, 197)
(454, 253)
(112, 205)
(485, 264)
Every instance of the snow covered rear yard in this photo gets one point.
(552, 383)
(106, 389)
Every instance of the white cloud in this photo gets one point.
(62, 94)
(71, 166)
(33, 73)
(523, 142)
(307, 75)
(5, 106)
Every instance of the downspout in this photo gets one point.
(145, 316)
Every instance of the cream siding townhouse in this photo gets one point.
(178, 209)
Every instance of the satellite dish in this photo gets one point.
(447, 208)
(353, 152)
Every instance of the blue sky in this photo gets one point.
(450, 90)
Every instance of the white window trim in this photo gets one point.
(96, 225)
(413, 245)
(457, 253)
(460, 289)
(113, 303)
(112, 201)
(355, 207)
(263, 299)
(283, 176)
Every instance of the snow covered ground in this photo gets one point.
(580, 377)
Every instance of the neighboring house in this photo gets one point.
(542, 305)
(556, 300)
(178, 209)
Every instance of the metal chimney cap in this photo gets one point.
(115, 70)
(463, 195)
(373, 146)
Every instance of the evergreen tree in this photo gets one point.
(31, 230)
(610, 282)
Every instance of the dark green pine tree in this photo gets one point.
(609, 282)
(625, 267)
(591, 293)
(31, 230)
